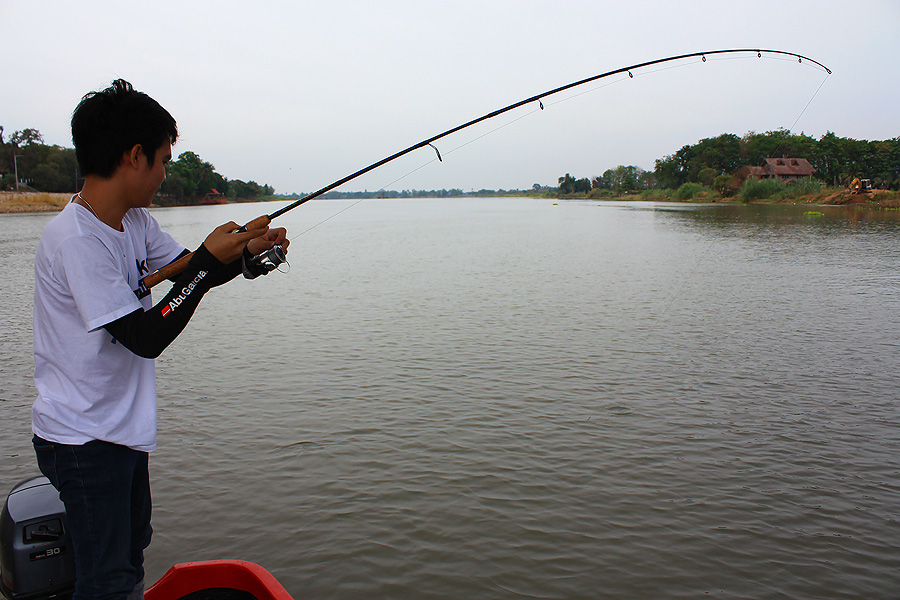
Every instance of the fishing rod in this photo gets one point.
(271, 259)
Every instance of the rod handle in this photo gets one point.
(173, 268)
(177, 266)
(257, 223)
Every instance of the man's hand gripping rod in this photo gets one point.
(177, 266)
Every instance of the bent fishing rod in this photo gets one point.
(177, 266)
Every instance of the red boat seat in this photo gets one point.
(217, 580)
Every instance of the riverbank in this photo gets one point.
(37, 202)
(34, 202)
(701, 195)
(31, 202)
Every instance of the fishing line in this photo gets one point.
(528, 114)
(701, 59)
(790, 131)
(177, 266)
(325, 220)
(507, 124)
(483, 135)
(419, 168)
(557, 102)
(816, 93)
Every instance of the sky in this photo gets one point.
(300, 94)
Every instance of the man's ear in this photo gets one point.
(132, 158)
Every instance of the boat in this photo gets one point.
(36, 562)
(226, 579)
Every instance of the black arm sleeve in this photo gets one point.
(148, 333)
(223, 274)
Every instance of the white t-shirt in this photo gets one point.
(87, 274)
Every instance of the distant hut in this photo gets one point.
(214, 196)
(785, 169)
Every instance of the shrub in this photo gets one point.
(707, 176)
(760, 189)
(600, 193)
(775, 189)
(689, 190)
(727, 185)
(805, 187)
(656, 194)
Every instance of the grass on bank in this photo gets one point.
(755, 190)
(32, 201)
(811, 192)
(778, 191)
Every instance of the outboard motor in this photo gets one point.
(36, 558)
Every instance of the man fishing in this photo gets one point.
(96, 331)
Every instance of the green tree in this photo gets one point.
(42, 167)
(707, 176)
(566, 184)
(599, 183)
(250, 190)
(190, 178)
(671, 171)
(722, 154)
(828, 159)
(623, 179)
(26, 137)
(756, 147)
(51, 168)
(647, 180)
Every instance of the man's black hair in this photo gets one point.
(108, 123)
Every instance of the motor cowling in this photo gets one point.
(36, 556)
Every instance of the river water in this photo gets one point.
(527, 398)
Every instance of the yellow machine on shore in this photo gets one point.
(860, 186)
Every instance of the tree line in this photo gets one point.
(39, 166)
(711, 162)
(191, 180)
(715, 162)
(51, 168)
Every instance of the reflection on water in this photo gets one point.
(514, 398)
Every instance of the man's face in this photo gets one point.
(155, 173)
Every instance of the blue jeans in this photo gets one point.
(106, 490)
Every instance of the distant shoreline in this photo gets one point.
(41, 202)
